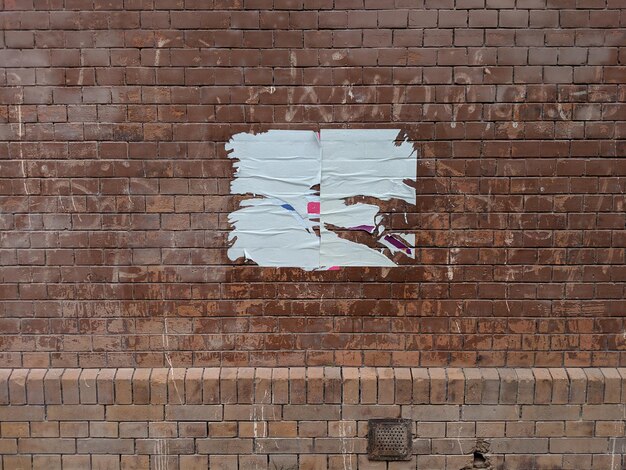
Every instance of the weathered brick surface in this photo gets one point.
(114, 186)
(277, 427)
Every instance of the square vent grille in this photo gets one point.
(389, 439)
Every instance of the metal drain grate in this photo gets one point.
(389, 439)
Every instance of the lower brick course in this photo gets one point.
(310, 418)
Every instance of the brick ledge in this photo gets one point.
(313, 385)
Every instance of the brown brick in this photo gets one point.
(521, 446)
(560, 385)
(437, 385)
(315, 385)
(21, 413)
(46, 446)
(158, 386)
(491, 386)
(426, 412)
(386, 385)
(543, 385)
(228, 386)
(612, 385)
(579, 446)
(489, 412)
(17, 386)
(35, 386)
(578, 385)
(123, 386)
(224, 446)
(263, 385)
(101, 446)
(75, 412)
(551, 412)
(595, 386)
(141, 386)
(403, 386)
(104, 385)
(134, 412)
(193, 412)
(369, 390)
(256, 411)
(245, 385)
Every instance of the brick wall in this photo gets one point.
(114, 181)
(310, 419)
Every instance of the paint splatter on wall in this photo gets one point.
(300, 184)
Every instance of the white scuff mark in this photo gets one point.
(161, 450)
(168, 359)
(290, 113)
(255, 415)
(462, 78)
(613, 453)
(454, 252)
(397, 103)
(20, 125)
(80, 187)
(509, 238)
(337, 56)
(428, 97)
(276, 227)
(157, 55)
(81, 70)
(453, 111)
(346, 457)
(479, 57)
(458, 439)
(20, 133)
(253, 97)
(15, 77)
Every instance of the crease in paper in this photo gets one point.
(279, 225)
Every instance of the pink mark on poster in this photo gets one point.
(313, 207)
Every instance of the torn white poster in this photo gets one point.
(278, 169)
(287, 222)
(360, 162)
